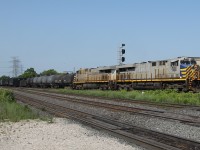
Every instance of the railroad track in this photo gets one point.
(146, 138)
(149, 103)
(186, 119)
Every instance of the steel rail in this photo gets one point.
(146, 138)
(131, 100)
(191, 120)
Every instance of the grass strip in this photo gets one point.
(12, 111)
(160, 96)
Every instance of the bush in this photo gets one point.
(6, 96)
(12, 111)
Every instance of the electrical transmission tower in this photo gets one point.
(15, 66)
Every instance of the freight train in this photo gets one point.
(53, 81)
(181, 73)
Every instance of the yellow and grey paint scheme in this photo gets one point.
(137, 73)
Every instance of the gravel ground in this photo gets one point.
(62, 134)
(185, 111)
(156, 124)
(112, 102)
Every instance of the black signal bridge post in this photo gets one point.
(121, 58)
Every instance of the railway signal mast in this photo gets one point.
(121, 52)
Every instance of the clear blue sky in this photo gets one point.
(63, 34)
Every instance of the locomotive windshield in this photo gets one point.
(187, 62)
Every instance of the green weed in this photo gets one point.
(160, 96)
(12, 111)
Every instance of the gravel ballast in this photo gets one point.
(157, 124)
(62, 134)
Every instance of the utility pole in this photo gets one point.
(15, 66)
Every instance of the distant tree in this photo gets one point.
(49, 72)
(29, 73)
(4, 77)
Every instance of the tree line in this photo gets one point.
(30, 72)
